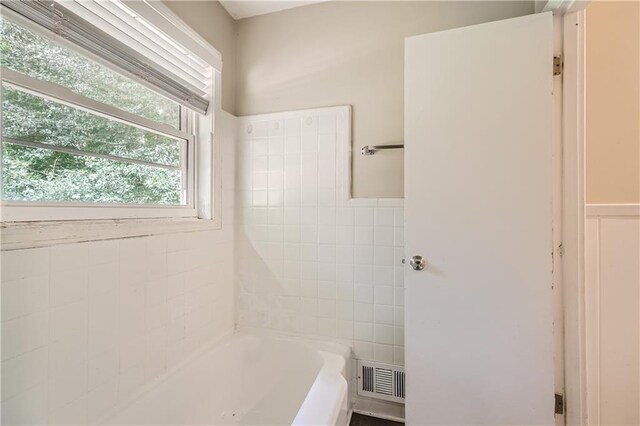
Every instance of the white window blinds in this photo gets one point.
(145, 47)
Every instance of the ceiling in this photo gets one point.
(239, 9)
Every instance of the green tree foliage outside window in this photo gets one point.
(34, 173)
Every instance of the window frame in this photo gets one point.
(203, 186)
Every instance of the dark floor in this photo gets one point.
(362, 420)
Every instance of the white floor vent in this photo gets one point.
(381, 381)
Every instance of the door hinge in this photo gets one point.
(559, 408)
(561, 250)
(557, 65)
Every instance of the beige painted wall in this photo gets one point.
(215, 25)
(613, 102)
(340, 53)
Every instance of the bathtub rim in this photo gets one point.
(324, 347)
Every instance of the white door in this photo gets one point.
(478, 194)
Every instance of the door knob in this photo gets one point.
(418, 263)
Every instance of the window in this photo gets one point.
(80, 140)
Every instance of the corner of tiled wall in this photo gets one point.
(310, 261)
(86, 326)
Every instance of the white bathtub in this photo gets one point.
(248, 380)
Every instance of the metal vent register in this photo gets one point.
(381, 381)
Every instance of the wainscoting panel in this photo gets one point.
(613, 314)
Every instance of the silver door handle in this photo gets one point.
(418, 263)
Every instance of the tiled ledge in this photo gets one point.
(22, 235)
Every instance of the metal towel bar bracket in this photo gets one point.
(370, 150)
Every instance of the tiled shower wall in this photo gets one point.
(86, 326)
(309, 260)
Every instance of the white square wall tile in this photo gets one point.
(129, 382)
(276, 146)
(291, 215)
(364, 235)
(24, 334)
(398, 217)
(73, 413)
(66, 354)
(398, 316)
(398, 237)
(326, 253)
(383, 275)
(384, 217)
(363, 293)
(326, 308)
(28, 408)
(364, 255)
(309, 289)
(398, 296)
(327, 327)
(275, 180)
(24, 371)
(344, 329)
(345, 216)
(308, 252)
(363, 350)
(101, 252)
(70, 256)
(345, 235)
(398, 336)
(327, 290)
(292, 127)
(68, 387)
(344, 310)
(36, 262)
(344, 291)
(308, 216)
(292, 146)
(363, 312)
(363, 331)
(383, 314)
(398, 355)
(24, 296)
(383, 256)
(11, 265)
(326, 271)
(383, 295)
(344, 254)
(383, 236)
(260, 147)
(309, 234)
(363, 274)
(275, 216)
(101, 399)
(398, 276)
(326, 234)
(327, 216)
(102, 369)
(398, 255)
(383, 353)
(344, 272)
(383, 334)
(364, 216)
(72, 318)
(68, 285)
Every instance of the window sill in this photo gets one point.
(23, 235)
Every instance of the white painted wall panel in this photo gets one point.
(613, 315)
